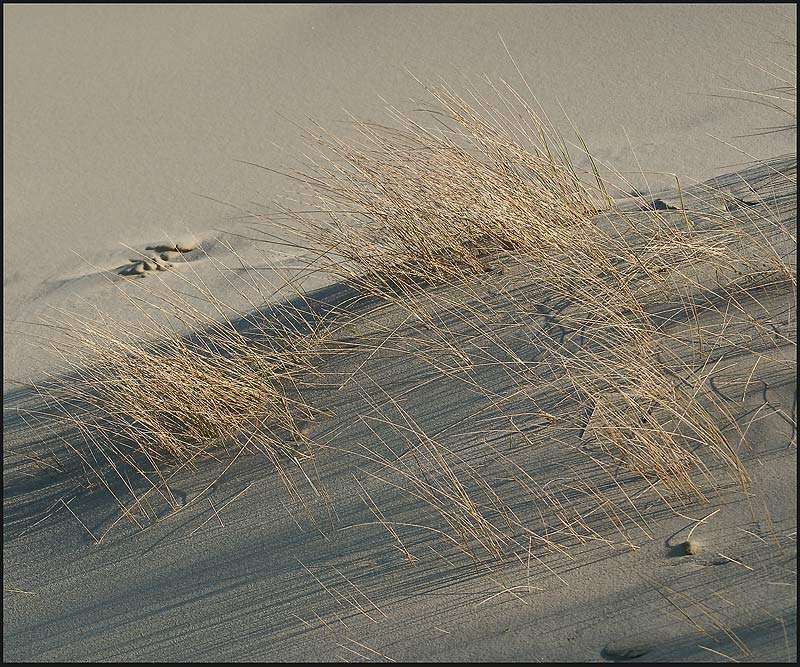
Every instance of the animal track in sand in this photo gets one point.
(621, 651)
(161, 258)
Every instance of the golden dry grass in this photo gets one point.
(408, 206)
(194, 379)
(430, 216)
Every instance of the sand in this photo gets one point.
(125, 133)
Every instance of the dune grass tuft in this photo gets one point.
(197, 379)
(410, 203)
(487, 193)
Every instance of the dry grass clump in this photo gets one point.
(174, 399)
(609, 357)
(640, 303)
(204, 382)
(409, 203)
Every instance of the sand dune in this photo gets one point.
(458, 475)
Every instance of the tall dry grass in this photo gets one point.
(488, 192)
(191, 378)
(410, 203)
(473, 223)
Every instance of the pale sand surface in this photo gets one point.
(117, 118)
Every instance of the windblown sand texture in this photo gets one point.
(468, 385)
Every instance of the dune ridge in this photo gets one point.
(460, 400)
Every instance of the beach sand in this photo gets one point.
(127, 134)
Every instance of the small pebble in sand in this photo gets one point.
(149, 266)
(690, 547)
(137, 268)
(624, 651)
(185, 246)
(163, 266)
(169, 255)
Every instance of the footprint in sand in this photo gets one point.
(622, 651)
(161, 258)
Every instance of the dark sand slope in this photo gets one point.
(472, 497)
